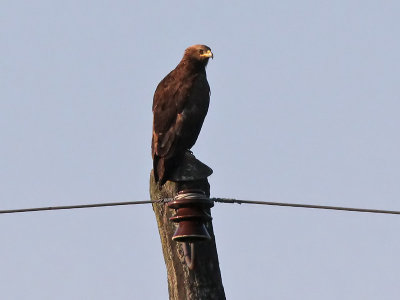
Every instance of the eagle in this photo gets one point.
(180, 104)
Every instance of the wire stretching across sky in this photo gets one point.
(220, 200)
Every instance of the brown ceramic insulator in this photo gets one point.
(191, 231)
(191, 198)
(190, 215)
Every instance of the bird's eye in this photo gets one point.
(201, 51)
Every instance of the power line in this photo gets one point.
(220, 200)
(11, 211)
(365, 210)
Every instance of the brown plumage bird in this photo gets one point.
(180, 105)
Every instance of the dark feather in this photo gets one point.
(180, 105)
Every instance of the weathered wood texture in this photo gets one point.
(202, 283)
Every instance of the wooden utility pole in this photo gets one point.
(204, 281)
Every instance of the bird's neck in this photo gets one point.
(192, 66)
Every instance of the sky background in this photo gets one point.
(304, 108)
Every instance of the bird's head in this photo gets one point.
(198, 53)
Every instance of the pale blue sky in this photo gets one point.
(304, 108)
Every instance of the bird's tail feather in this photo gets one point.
(159, 167)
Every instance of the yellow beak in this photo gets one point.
(208, 54)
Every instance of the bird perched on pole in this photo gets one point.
(180, 105)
